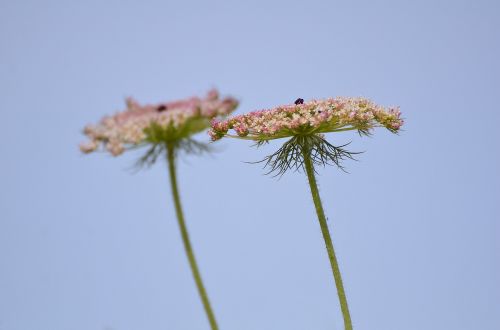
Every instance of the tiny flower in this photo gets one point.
(115, 148)
(241, 129)
(166, 122)
(88, 147)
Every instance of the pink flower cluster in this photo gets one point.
(315, 116)
(130, 127)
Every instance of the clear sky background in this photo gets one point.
(85, 244)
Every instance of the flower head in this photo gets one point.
(305, 124)
(306, 118)
(169, 122)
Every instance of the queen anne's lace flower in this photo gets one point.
(166, 129)
(307, 148)
(154, 124)
(316, 116)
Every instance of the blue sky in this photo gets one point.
(86, 244)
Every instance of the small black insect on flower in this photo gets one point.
(299, 101)
(161, 108)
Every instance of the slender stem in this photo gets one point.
(185, 239)
(328, 240)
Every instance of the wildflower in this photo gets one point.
(305, 124)
(166, 128)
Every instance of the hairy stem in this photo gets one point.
(185, 238)
(326, 236)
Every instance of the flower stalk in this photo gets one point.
(185, 237)
(309, 167)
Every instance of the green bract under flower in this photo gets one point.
(171, 122)
(313, 117)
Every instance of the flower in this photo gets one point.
(308, 118)
(161, 123)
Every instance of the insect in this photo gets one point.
(161, 108)
(299, 101)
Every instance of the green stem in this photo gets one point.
(328, 240)
(185, 238)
